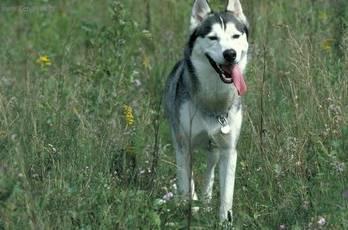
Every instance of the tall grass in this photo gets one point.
(84, 144)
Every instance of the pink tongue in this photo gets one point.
(238, 80)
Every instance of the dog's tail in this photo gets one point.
(174, 86)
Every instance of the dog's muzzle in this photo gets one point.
(224, 75)
(230, 72)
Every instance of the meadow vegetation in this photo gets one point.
(84, 143)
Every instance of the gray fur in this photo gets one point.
(193, 108)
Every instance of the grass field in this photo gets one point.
(84, 143)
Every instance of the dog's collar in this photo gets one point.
(226, 78)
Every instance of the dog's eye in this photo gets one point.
(213, 38)
(236, 36)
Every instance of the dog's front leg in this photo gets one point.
(213, 159)
(184, 172)
(227, 169)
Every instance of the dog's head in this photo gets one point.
(221, 37)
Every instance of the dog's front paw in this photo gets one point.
(226, 217)
(226, 225)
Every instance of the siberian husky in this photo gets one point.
(203, 98)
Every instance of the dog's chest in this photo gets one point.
(215, 97)
(213, 94)
(206, 129)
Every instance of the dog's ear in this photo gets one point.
(235, 7)
(200, 10)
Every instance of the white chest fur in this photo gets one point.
(200, 128)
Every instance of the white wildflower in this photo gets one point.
(321, 221)
(168, 196)
(159, 202)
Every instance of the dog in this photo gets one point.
(203, 99)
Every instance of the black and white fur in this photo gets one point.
(196, 97)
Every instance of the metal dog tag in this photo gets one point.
(225, 127)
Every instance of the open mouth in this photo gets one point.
(230, 73)
(224, 71)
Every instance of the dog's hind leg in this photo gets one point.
(227, 169)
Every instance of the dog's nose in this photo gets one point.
(230, 55)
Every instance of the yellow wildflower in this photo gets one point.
(128, 115)
(44, 60)
(327, 44)
(146, 61)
